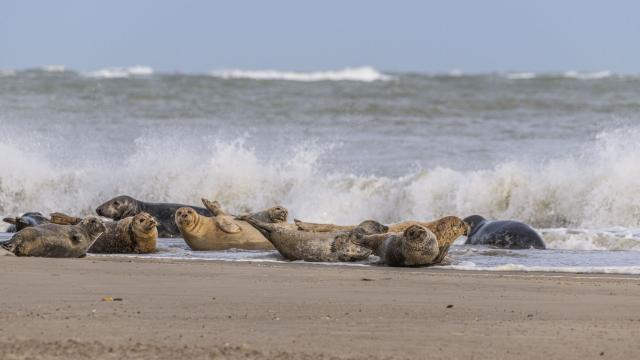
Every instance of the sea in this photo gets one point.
(558, 151)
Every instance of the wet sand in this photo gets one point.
(54, 308)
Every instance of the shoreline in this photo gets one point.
(54, 308)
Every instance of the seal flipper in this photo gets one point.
(64, 219)
(228, 226)
(10, 220)
(214, 207)
(372, 242)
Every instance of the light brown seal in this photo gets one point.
(53, 240)
(416, 246)
(219, 232)
(334, 246)
(132, 235)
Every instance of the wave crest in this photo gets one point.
(364, 73)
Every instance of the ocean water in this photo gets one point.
(558, 151)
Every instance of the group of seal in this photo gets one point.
(136, 225)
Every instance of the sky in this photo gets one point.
(400, 35)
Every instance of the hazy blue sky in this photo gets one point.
(431, 36)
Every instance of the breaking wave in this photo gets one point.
(121, 73)
(365, 73)
(598, 189)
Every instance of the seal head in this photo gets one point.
(118, 208)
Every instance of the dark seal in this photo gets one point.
(124, 206)
(25, 220)
(505, 234)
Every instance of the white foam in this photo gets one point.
(632, 270)
(7, 72)
(365, 73)
(54, 68)
(521, 76)
(587, 75)
(596, 190)
(121, 73)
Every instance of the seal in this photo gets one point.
(123, 206)
(416, 246)
(334, 246)
(53, 240)
(25, 220)
(132, 235)
(505, 234)
(446, 229)
(218, 232)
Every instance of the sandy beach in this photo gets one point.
(56, 308)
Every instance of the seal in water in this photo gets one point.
(218, 232)
(25, 220)
(132, 235)
(502, 233)
(123, 206)
(416, 246)
(294, 244)
(53, 240)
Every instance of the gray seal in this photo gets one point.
(53, 240)
(505, 234)
(416, 246)
(334, 246)
(124, 206)
(25, 220)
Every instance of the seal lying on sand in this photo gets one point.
(219, 232)
(294, 244)
(123, 206)
(416, 246)
(53, 240)
(397, 227)
(503, 234)
(131, 235)
(446, 230)
(25, 220)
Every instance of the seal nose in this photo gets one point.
(99, 211)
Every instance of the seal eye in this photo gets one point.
(141, 220)
(115, 203)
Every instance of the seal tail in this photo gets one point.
(64, 219)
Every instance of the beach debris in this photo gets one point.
(111, 298)
(449, 306)
(367, 279)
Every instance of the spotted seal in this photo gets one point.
(53, 240)
(136, 234)
(294, 244)
(25, 220)
(416, 246)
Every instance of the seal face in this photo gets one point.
(416, 246)
(294, 244)
(124, 206)
(218, 232)
(53, 240)
(505, 234)
(132, 235)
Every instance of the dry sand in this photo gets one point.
(53, 308)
